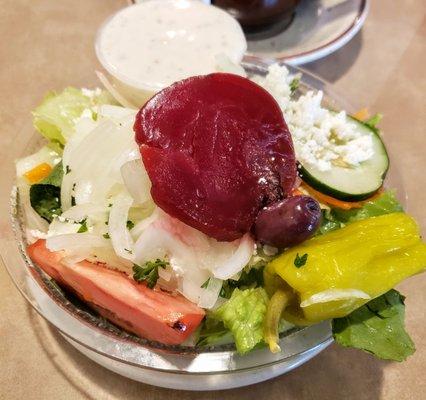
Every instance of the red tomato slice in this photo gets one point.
(150, 313)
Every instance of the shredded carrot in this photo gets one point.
(38, 173)
(345, 205)
(296, 192)
(361, 115)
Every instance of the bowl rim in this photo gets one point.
(257, 67)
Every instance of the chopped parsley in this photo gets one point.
(130, 225)
(67, 169)
(106, 236)
(300, 261)
(83, 227)
(148, 272)
(294, 84)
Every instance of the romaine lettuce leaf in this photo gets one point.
(56, 116)
(45, 196)
(328, 223)
(214, 333)
(243, 315)
(377, 327)
(249, 278)
(386, 203)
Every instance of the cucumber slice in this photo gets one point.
(354, 183)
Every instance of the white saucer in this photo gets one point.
(319, 28)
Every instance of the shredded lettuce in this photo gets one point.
(243, 314)
(377, 327)
(56, 116)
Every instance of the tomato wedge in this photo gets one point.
(150, 313)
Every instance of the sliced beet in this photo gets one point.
(216, 149)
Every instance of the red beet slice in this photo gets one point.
(216, 149)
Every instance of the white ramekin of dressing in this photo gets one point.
(148, 46)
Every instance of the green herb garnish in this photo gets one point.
(294, 85)
(130, 225)
(300, 261)
(83, 227)
(148, 272)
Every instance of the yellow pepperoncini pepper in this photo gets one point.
(346, 268)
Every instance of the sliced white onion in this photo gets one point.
(69, 221)
(44, 155)
(61, 227)
(75, 242)
(154, 243)
(137, 181)
(165, 273)
(117, 226)
(116, 113)
(107, 256)
(335, 295)
(193, 256)
(191, 284)
(32, 219)
(237, 261)
(210, 294)
(95, 162)
(80, 157)
(75, 258)
(81, 211)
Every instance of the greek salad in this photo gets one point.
(226, 209)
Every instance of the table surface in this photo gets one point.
(49, 44)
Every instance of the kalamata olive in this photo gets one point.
(288, 222)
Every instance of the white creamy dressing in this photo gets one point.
(156, 43)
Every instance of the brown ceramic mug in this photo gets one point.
(258, 15)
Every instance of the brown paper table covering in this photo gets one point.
(49, 44)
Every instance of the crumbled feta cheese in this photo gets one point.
(277, 82)
(36, 234)
(322, 138)
(269, 250)
(87, 113)
(91, 93)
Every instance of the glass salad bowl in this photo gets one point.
(178, 367)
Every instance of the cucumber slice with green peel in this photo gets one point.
(351, 183)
